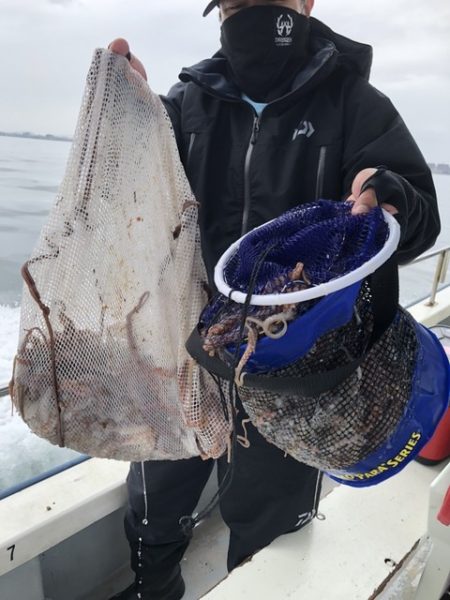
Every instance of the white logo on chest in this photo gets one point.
(305, 128)
(284, 26)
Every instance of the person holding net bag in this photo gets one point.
(301, 360)
(282, 115)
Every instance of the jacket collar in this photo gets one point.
(328, 49)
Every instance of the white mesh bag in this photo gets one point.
(115, 286)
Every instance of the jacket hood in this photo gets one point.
(328, 50)
(355, 56)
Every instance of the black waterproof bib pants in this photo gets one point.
(270, 494)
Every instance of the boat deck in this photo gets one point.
(365, 537)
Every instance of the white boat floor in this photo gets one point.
(204, 565)
(351, 555)
(205, 562)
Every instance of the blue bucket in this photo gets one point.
(428, 404)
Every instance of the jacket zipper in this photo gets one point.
(191, 145)
(248, 158)
(321, 172)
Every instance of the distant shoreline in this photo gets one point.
(36, 136)
(439, 169)
(436, 168)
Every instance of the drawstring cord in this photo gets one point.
(189, 522)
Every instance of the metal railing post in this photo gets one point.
(440, 273)
(445, 266)
(439, 277)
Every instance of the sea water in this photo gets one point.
(30, 172)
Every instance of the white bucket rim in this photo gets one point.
(318, 291)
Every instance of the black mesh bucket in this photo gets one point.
(360, 397)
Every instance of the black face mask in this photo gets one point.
(265, 46)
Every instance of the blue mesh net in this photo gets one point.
(324, 236)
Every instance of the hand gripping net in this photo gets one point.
(114, 287)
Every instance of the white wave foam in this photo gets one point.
(23, 455)
(9, 335)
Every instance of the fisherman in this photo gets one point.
(282, 115)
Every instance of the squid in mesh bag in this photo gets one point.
(115, 286)
(326, 363)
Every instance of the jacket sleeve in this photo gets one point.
(172, 103)
(375, 135)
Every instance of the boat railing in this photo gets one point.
(440, 275)
(440, 272)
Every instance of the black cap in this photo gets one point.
(210, 6)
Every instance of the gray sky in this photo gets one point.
(46, 46)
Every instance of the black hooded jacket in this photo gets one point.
(307, 145)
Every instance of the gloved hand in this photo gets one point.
(365, 200)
